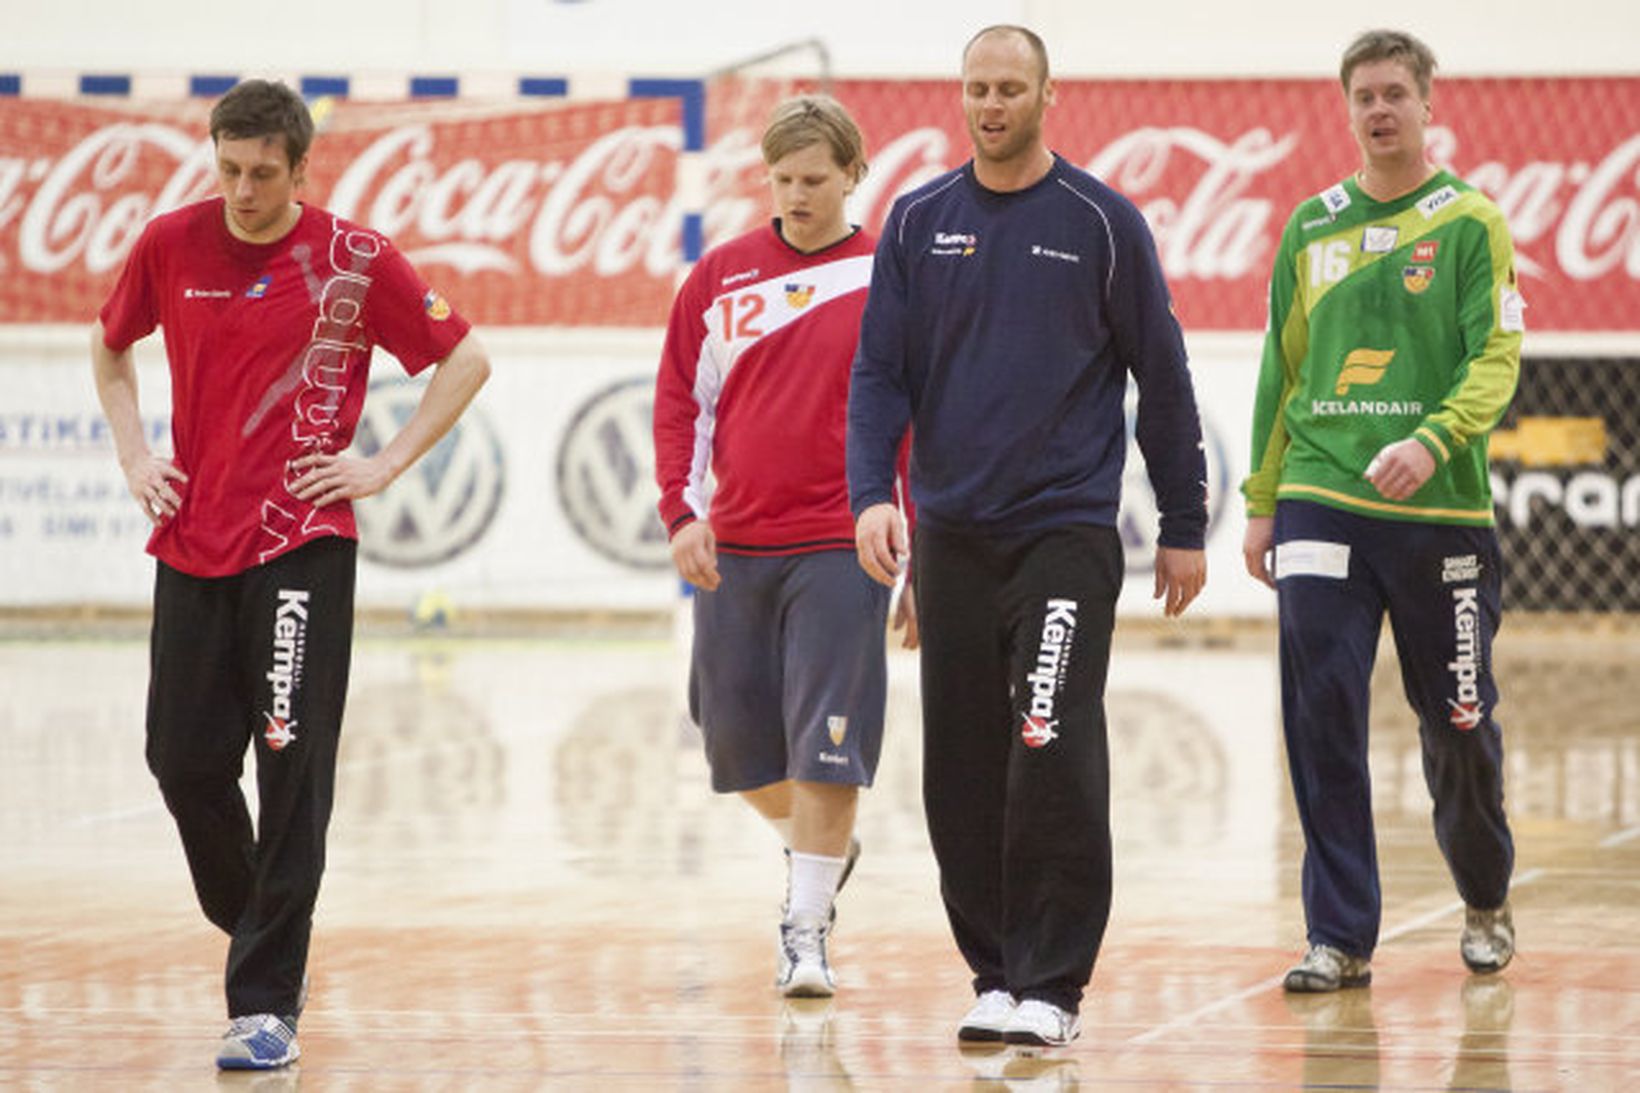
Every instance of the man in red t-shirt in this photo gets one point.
(271, 309)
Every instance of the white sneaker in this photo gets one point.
(1042, 1023)
(804, 970)
(1324, 969)
(259, 1041)
(1488, 942)
(988, 1018)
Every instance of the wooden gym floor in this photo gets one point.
(531, 887)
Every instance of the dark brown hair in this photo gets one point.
(263, 108)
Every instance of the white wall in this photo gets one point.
(864, 37)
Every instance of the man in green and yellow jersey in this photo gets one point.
(1392, 351)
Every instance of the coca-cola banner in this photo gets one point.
(527, 213)
(519, 213)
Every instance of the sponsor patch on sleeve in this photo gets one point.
(1312, 558)
(1511, 310)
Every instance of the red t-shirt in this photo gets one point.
(753, 386)
(269, 346)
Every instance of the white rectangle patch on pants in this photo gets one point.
(1312, 558)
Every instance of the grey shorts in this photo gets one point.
(789, 677)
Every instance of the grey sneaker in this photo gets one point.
(1488, 942)
(1043, 1024)
(804, 970)
(1325, 968)
(987, 1019)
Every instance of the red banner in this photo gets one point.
(569, 214)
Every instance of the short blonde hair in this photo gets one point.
(803, 120)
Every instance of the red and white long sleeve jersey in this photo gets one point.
(753, 390)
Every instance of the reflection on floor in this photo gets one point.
(530, 886)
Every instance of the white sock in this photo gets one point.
(813, 884)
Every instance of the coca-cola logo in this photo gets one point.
(1587, 212)
(85, 210)
(1217, 230)
(598, 213)
(576, 218)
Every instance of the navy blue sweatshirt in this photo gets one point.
(1003, 327)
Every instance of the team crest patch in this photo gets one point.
(798, 296)
(837, 728)
(1417, 279)
(260, 289)
(436, 306)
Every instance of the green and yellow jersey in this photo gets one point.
(1387, 320)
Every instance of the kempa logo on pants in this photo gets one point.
(285, 674)
(1047, 679)
(1467, 710)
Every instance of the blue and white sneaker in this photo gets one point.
(257, 1041)
(804, 970)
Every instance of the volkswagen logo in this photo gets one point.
(1139, 522)
(606, 476)
(446, 502)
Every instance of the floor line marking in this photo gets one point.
(1262, 985)
(1619, 838)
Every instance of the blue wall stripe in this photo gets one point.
(692, 95)
(11, 83)
(542, 85)
(314, 86)
(105, 85)
(694, 236)
(209, 87)
(434, 87)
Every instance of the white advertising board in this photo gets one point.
(542, 498)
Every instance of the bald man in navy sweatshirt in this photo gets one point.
(1010, 301)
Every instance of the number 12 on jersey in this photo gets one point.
(740, 315)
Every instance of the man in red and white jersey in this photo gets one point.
(271, 309)
(788, 677)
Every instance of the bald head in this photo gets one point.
(1008, 30)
